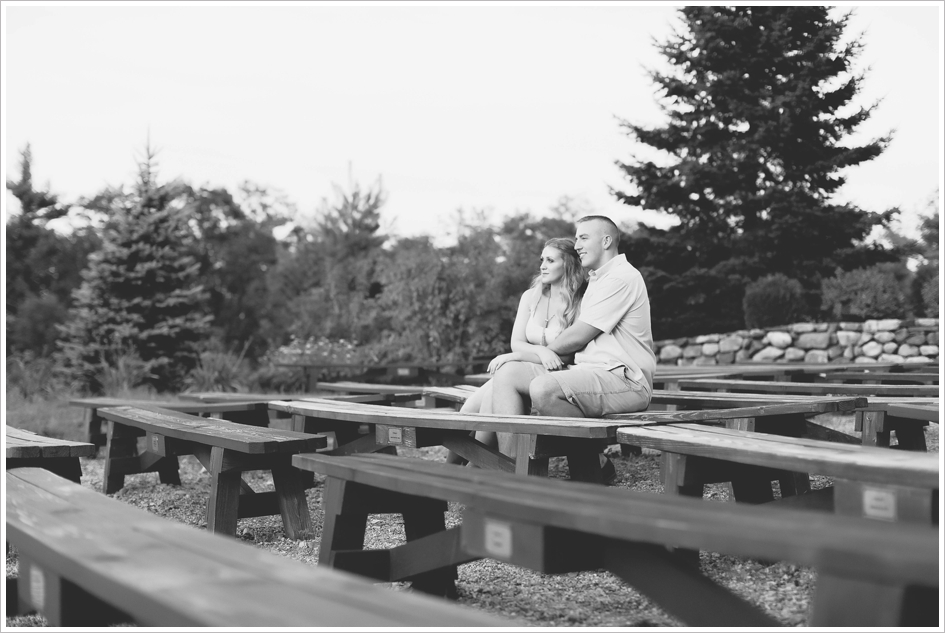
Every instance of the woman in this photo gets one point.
(549, 306)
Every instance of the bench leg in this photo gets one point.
(168, 469)
(94, 425)
(290, 492)
(122, 442)
(224, 502)
(423, 519)
(872, 426)
(343, 528)
(525, 463)
(846, 602)
(62, 602)
(585, 466)
(911, 436)
(675, 482)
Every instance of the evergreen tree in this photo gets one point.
(759, 101)
(139, 298)
(42, 265)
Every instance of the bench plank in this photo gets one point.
(26, 444)
(222, 433)
(166, 574)
(814, 388)
(833, 459)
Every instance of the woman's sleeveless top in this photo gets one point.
(534, 329)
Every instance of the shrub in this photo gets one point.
(930, 296)
(122, 371)
(29, 376)
(773, 300)
(219, 370)
(878, 292)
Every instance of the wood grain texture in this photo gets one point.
(814, 388)
(807, 538)
(863, 463)
(166, 574)
(26, 444)
(211, 431)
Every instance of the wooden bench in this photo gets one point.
(808, 389)
(873, 420)
(254, 413)
(225, 449)
(365, 428)
(348, 387)
(25, 448)
(554, 526)
(881, 377)
(867, 481)
(88, 560)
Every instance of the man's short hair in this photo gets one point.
(611, 228)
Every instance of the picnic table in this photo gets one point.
(556, 527)
(365, 428)
(26, 448)
(226, 449)
(88, 560)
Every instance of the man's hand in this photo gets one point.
(550, 360)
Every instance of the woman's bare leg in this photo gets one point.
(510, 397)
(480, 399)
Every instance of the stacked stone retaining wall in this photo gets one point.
(883, 341)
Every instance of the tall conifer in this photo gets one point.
(760, 102)
(139, 297)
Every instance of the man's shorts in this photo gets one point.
(596, 391)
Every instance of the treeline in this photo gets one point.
(175, 286)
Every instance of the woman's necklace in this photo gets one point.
(544, 342)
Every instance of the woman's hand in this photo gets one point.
(500, 360)
(550, 360)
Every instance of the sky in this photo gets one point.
(499, 108)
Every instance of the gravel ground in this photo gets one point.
(586, 599)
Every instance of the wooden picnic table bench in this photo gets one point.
(113, 563)
(554, 526)
(226, 449)
(867, 481)
(25, 448)
(537, 438)
(808, 389)
(348, 387)
(254, 413)
(881, 377)
(874, 420)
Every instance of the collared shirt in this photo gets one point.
(617, 304)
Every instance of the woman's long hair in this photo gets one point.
(575, 279)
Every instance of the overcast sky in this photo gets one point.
(504, 108)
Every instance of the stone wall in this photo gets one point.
(885, 340)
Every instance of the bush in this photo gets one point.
(773, 300)
(930, 296)
(29, 376)
(219, 370)
(121, 372)
(878, 292)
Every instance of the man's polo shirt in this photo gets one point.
(617, 304)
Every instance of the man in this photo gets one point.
(611, 340)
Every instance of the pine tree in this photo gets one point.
(42, 266)
(139, 298)
(759, 103)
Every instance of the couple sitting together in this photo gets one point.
(582, 345)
